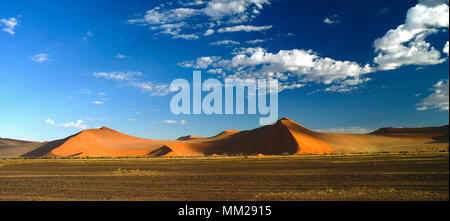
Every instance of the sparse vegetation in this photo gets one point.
(135, 172)
(392, 176)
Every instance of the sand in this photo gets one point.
(285, 137)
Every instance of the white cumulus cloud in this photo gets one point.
(331, 20)
(78, 124)
(438, 99)
(9, 25)
(445, 49)
(199, 14)
(406, 44)
(258, 63)
(209, 32)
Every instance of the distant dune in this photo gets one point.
(428, 131)
(6, 141)
(189, 137)
(283, 137)
(15, 148)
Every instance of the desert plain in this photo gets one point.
(280, 162)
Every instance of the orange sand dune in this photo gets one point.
(102, 142)
(283, 137)
(226, 133)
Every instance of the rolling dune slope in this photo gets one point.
(6, 141)
(11, 148)
(396, 140)
(103, 142)
(283, 137)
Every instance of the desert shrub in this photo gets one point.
(136, 172)
(285, 154)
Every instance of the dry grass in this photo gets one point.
(352, 194)
(314, 177)
(136, 172)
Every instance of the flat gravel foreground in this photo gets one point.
(423, 176)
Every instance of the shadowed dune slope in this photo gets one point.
(283, 137)
(11, 148)
(286, 136)
(413, 131)
(189, 137)
(46, 148)
(226, 133)
(7, 141)
(15, 151)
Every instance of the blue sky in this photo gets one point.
(345, 66)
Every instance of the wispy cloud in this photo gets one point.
(331, 20)
(346, 130)
(198, 15)
(97, 102)
(174, 122)
(39, 58)
(9, 25)
(193, 2)
(122, 56)
(200, 63)
(155, 89)
(79, 124)
(246, 28)
(118, 76)
(187, 36)
(88, 35)
(225, 42)
(256, 41)
(384, 11)
(170, 122)
(132, 79)
(85, 91)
